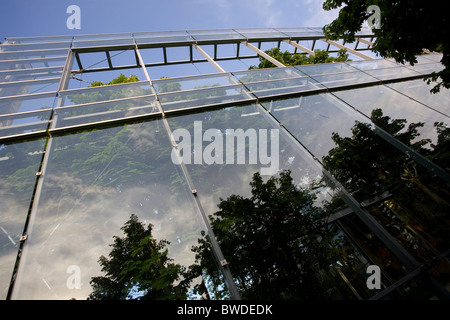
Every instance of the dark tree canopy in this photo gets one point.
(407, 28)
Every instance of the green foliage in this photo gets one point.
(289, 59)
(407, 28)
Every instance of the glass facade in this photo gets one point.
(280, 183)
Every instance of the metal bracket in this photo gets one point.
(223, 262)
(23, 238)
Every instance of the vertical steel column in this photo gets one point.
(224, 267)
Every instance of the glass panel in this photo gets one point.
(103, 43)
(32, 54)
(19, 163)
(420, 91)
(267, 74)
(218, 174)
(300, 32)
(92, 112)
(13, 40)
(8, 89)
(261, 33)
(325, 68)
(202, 90)
(27, 103)
(192, 83)
(35, 46)
(32, 63)
(162, 37)
(204, 97)
(313, 119)
(427, 68)
(392, 73)
(95, 183)
(24, 122)
(342, 79)
(283, 86)
(369, 167)
(205, 35)
(433, 57)
(266, 82)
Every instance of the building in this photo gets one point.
(77, 160)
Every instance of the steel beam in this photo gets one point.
(352, 51)
(370, 43)
(207, 57)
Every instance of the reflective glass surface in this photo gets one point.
(313, 119)
(292, 182)
(93, 185)
(394, 105)
(325, 68)
(28, 87)
(420, 91)
(107, 110)
(19, 163)
(30, 74)
(392, 73)
(343, 79)
(105, 93)
(32, 63)
(32, 54)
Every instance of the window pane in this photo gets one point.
(420, 91)
(188, 92)
(342, 79)
(114, 109)
(395, 106)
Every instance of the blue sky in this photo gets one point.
(19, 18)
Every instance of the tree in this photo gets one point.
(406, 29)
(276, 241)
(289, 59)
(138, 268)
